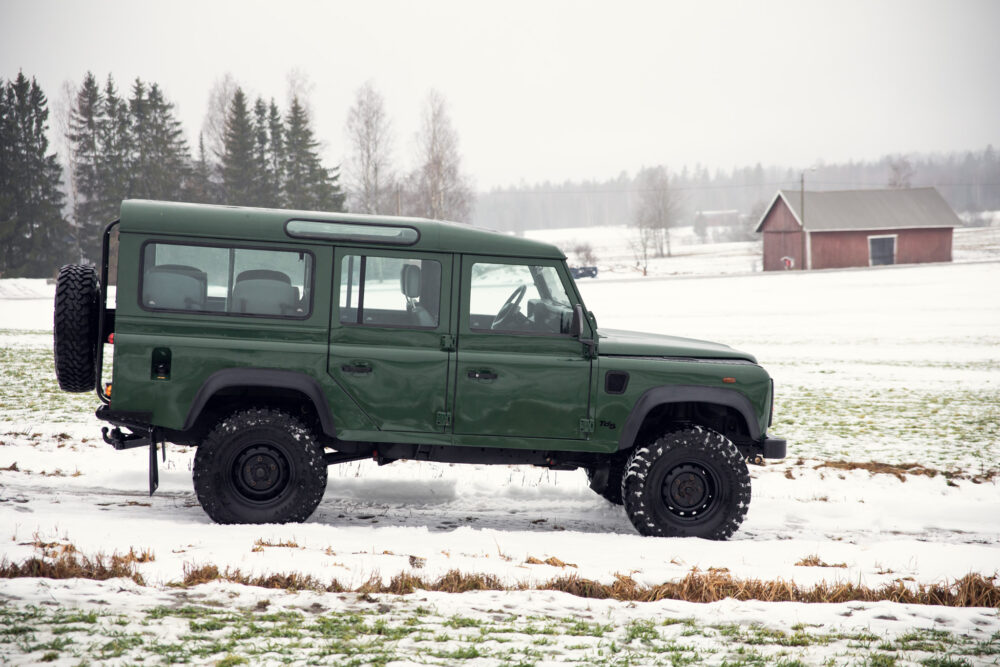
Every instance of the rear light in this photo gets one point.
(111, 338)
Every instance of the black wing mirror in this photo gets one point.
(576, 328)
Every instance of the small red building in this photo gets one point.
(828, 230)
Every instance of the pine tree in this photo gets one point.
(34, 237)
(116, 141)
(198, 186)
(239, 177)
(84, 137)
(160, 163)
(276, 152)
(308, 185)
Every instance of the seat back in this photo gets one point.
(175, 287)
(264, 292)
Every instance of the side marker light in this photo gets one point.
(729, 380)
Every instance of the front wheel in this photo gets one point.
(688, 483)
(259, 466)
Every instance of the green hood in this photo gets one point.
(635, 344)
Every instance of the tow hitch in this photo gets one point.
(121, 440)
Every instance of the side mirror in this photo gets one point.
(576, 327)
(576, 330)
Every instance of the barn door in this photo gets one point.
(881, 250)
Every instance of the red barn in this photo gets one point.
(829, 230)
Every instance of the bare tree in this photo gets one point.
(220, 97)
(369, 136)
(584, 253)
(442, 191)
(62, 113)
(900, 173)
(659, 208)
(641, 245)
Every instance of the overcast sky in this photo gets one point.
(562, 90)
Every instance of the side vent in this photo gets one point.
(616, 382)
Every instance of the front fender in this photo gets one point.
(657, 396)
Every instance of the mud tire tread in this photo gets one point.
(305, 454)
(74, 327)
(709, 448)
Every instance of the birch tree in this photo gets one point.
(442, 191)
(369, 134)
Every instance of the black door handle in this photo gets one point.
(356, 368)
(482, 375)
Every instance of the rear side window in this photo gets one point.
(390, 291)
(226, 280)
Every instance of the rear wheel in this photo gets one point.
(688, 483)
(260, 466)
(74, 327)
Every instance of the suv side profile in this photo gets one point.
(281, 342)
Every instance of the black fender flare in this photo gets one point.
(262, 377)
(657, 396)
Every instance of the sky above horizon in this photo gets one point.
(561, 90)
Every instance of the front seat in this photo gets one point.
(409, 284)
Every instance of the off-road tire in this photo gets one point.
(259, 466)
(616, 472)
(688, 483)
(74, 327)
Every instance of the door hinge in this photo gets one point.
(442, 419)
(586, 426)
(448, 343)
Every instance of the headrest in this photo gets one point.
(409, 281)
(263, 274)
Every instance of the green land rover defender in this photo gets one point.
(280, 342)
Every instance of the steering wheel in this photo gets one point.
(509, 307)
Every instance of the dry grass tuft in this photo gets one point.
(70, 565)
(259, 545)
(972, 590)
(551, 560)
(813, 560)
(295, 581)
(901, 470)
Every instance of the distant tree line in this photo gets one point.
(969, 181)
(134, 147)
(122, 145)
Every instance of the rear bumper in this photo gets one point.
(773, 448)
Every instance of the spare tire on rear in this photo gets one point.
(75, 327)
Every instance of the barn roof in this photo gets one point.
(849, 210)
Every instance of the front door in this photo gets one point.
(390, 338)
(882, 250)
(519, 372)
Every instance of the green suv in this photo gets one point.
(280, 342)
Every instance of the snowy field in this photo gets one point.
(616, 258)
(875, 370)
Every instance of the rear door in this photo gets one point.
(390, 338)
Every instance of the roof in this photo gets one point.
(268, 225)
(850, 210)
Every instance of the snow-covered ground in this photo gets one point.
(896, 365)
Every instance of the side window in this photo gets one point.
(519, 298)
(219, 280)
(390, 291)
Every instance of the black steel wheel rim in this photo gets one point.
(261, 472)
(690, 491)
